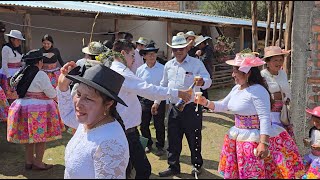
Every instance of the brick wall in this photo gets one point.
(313, 64)
(168, 5)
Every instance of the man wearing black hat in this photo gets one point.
(152, 72)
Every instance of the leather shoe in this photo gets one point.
(160, 152)
(168, 172)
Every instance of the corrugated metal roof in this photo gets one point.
(121, 9)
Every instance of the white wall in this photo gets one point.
(70, 44)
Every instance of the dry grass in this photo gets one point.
(214, 128)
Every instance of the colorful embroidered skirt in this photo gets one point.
(33, 121)
(312, 164)
(4, 106)
(10, 92)
(237, 159)
(53, 76)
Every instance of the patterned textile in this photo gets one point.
(4, 82)
(33, 121)
(71, 130)
(4, 106)
(237, 160)
(276, 106)
(53, 76)
(313, 171)
(247, 122)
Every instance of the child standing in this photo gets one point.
(312, 160)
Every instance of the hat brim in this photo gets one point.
(179, 46)
(139, 42)
(310, 111)
(204, 39)
(284, 53)
(144, 51)
(15, 37)
(188, 35)
(232, 63)
(79, 79)
(86, 51)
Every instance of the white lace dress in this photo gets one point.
(99, 153)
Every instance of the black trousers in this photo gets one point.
(157, 119)
(138, 158)
(187, 122)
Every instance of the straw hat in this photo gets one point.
(179, 42)
(246, 61)
(180, 34)
(315, 111)
(94, 48)
(190, 33)
(15, 34)
(274, 51)
(142, 40)
(200, 39)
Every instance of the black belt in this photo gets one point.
(130, 130)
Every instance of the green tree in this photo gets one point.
(238, 9)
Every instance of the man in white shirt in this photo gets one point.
(152, 73)
(138, 59)
(131, 115)
(180, 73)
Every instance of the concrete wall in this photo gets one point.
(305, 66)
(70, 43)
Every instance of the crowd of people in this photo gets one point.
(119, 87)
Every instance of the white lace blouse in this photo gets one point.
(99, 153)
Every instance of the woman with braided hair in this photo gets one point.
(99, 147)
(33, 118)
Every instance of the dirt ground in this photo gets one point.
(215, 126)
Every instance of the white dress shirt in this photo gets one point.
(181, 75)
(152, 75)
(133, 86)
(138, 61)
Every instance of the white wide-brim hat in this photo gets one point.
(15, 34)
(142, 40)
(190, 33)
(200, 39)
(94, 48)
(179, 42)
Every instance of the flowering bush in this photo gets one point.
(223, 48)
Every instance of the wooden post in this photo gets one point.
(169, 40)
(281, 23)
(241, 38)
(254, 26)
(287, 40)
(2, 40)
(275, 22)
(116, 29)
(268, 23)
(27, 32)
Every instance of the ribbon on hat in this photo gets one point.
(249, 62)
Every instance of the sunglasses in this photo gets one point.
(177, 49)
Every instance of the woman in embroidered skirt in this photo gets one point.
(4, 106)
(11, 61)
(252, 149)
(277, 81)
(51, 58)
(33, 118)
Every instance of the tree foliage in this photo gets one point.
(238, 9)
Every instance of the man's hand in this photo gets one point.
(200, 100)
(154, 109)
(185, 95)
(63, 82)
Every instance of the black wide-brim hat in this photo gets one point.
(149, 48)
(102, 79)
